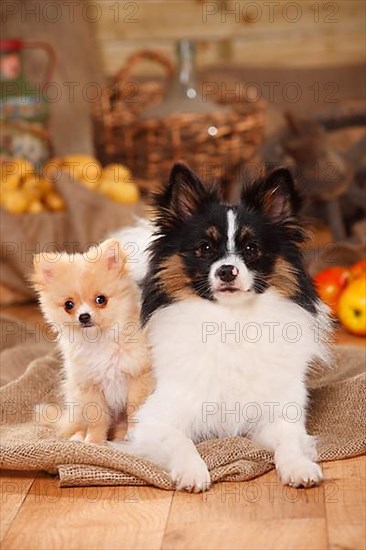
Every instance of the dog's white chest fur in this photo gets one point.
(99, 360)
(221, 370)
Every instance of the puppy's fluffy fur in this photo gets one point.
(235, 324)
(94, 306)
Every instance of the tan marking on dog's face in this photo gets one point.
(174, 280)
(245, 233)
(213, 233)
(284, 278)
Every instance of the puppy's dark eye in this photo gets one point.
(204, 249)
(100, 300)
(69, 304)
(251, 251)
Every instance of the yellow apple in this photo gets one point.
(352, 306)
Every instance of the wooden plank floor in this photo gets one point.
(261, 514)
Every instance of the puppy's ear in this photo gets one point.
(112, 255)
(44, 266)
(275, 196)
(184, 193)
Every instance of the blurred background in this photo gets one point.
(98, 99)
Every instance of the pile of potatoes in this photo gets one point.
(114, 181)
(23, 190)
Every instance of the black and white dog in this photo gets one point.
(234, 323)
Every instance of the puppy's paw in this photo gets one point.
(95, 438)
(73, 433)
(300, 472)
(192, 476)
(78, 436)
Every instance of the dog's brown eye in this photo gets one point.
(251, 251)
(100, 300)
(69, 304)
(204, 249)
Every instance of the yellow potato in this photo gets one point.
(92, 171)
(31, 179)
(54, 201)
(37, 186)
(45, 185)
(79, 159)
(74, 165)
(9, 182)
(73, 171)
(10, 175)
(15, 201)
(126, 193)
(89, 171)
(117, 173)
(22, 167)
(106, 186)
(35, 207)
(32, 188)
(91, 174)
(52, 168)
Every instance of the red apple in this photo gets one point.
(330, 283)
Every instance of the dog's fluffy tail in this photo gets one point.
(135, 242)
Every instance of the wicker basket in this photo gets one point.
(150, 146)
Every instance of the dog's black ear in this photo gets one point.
(276, 195)
(184, 193)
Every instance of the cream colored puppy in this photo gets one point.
(94, 306)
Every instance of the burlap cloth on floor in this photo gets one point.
(336, 416)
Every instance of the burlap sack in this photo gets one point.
(336, 416)
(87, 219)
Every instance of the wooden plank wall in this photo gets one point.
(278, 33)
(270, 39)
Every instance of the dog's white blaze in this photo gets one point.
(231, 227)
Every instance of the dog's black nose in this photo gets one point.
(84, 318)
(227, 273)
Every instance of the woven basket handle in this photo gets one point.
(136, 58)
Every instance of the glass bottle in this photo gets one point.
(183, 95)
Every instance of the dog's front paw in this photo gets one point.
(95, 437)
(300, 472)
(77, 436)
(192, 476)
(72, 433)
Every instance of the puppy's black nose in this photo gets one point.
(227, 273)
(84, 318)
